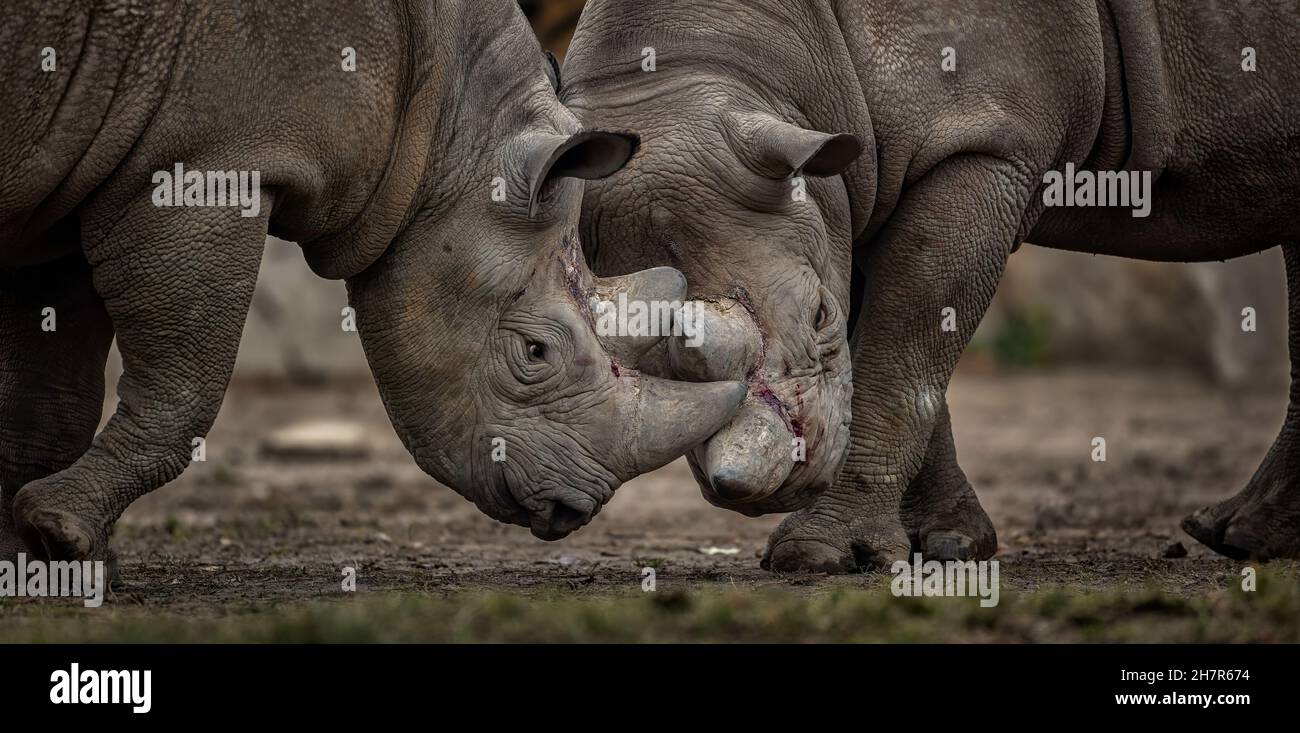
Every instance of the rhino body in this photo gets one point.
(415, 149)
(972, 119)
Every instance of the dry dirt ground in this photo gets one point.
(248, 531)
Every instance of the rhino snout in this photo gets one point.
(556, 516)
(648, 423)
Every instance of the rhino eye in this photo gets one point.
(536, 351)
(823, 315)
(825, 310)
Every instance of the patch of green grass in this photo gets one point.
(224, 475)
(1023, 338)
(175, 528)
(839, 614)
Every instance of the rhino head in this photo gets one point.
(477, 318)
(749, 206)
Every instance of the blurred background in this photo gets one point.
(303, 471)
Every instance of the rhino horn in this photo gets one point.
(669, 418)
(659, 291)
(749, 457)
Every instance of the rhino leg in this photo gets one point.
(943, 517)
(51, 382)
(1263, 520)
(945, 247)
(177, 285)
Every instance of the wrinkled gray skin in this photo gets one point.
(748, 95)
(712, 197)
(474, 314)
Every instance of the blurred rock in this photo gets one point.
(720, 551)
(1061, 307)
(295, 324)
(331, 440)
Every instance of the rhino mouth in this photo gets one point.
(556, 513)
(550, 510)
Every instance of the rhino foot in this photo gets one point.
(57, 533)
(943, 517)
(817, 541)
(950, 525)
(1260, 523)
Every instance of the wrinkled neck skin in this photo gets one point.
(441, 97)
(688, 202)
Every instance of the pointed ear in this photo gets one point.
(588, 155)
(777, 149)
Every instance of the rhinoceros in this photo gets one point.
(823, 168)
(418, 152)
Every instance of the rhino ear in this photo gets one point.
(588, 155)
(777, 149)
